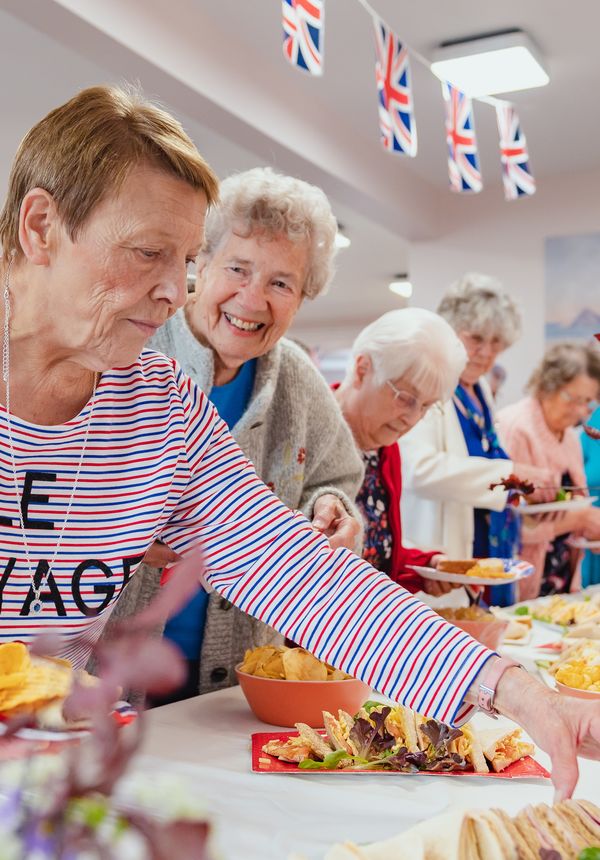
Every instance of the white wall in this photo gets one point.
(507, 240)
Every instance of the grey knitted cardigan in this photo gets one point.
(294, 434)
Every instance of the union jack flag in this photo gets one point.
(302, 34)
(516, 174)
(463, 161)
(392, 70)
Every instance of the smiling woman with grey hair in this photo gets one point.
(454, 455)
(269, 244)
(402, 364)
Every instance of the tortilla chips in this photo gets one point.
(28, 684)
(289, 664)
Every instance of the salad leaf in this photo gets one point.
(589, 854)
(440, 734)
(330, 762)
(370, 737)
(406, 761)
(522, 610)
(371, 705)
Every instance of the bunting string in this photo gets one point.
(303, 43)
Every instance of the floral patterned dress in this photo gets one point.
(373, 500)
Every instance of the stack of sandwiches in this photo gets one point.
(560, 832)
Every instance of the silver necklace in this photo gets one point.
(36, 605)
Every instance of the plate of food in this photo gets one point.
(477, 571)
(563, 504)
(33, 690)
(519, 630)
(385, 739)
(562, 611)
(576, 672)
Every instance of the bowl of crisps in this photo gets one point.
(578, 678)
(478, 623)
(284, 686)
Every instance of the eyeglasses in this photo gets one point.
(407, 401)
(590, 405)
(477, 342)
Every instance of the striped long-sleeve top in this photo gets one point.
(159, 462)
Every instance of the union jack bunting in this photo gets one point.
(463, 161)
(392, 71)
(516, 174)
(303, 34)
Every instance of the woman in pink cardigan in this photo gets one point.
(540, 430)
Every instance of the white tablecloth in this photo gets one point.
(269, 816)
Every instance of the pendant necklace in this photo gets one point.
(36, 605)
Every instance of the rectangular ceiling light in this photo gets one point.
(498, 63)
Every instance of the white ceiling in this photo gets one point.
(218, 64)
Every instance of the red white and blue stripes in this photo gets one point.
(160, 461)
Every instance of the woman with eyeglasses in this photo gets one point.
(401, 365)
(539, 429)
(454, 454)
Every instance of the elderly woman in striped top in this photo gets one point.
(108, 446)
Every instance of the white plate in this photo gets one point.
(582, 543)
(573, 504)
(31, 734)
(122, 713)
(525, 640)
(517, 569)
(546, 677)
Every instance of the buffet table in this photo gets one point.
(274, 816)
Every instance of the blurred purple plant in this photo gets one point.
(133, 658)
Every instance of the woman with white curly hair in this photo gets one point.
(454, 454)
(269, 244)
(401, 365)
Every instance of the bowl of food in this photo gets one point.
(477, 622)
(578, 675)
(284, 686)
(577, 692)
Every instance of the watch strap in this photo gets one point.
(487, 687)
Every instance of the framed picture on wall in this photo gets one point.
(572, 274)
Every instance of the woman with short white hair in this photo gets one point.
(454, 455)
(401, 365)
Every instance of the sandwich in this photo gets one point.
(400, 723)
(314, 740)
(338, 731)
(469, 747)
(448, 565)
(501, 747)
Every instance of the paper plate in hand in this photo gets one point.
(582, 543)
(574, 504)
(123, 714)
(514, 569)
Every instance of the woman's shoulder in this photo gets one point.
(152, 376)
(520, 414)
(297, 369)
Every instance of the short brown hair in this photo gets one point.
(83, 150)
(562, 363)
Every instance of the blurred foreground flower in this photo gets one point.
(69, 805)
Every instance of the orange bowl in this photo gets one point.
(284, 703)
(489, 633)
(575, 693)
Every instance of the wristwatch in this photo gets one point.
(487, 688)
